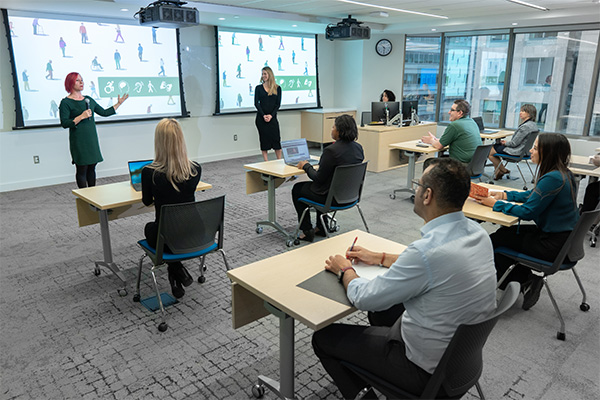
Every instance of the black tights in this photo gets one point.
(85, 175)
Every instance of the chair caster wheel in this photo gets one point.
(136, 298)
(163, 326)
(584, 307)
(593, 242)
(392, 196)
(412, 198)
(259, 229)
(204, 268)
(336, 228)
(296, 241)
(97, 271)
(258, 391)
(560, 335)
(524, 187)
(122, 292)
(201, 279)
(289, 243)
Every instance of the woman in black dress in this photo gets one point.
(267, 99)
(171, 179)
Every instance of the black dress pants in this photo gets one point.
(302, 189)
(526, 239)
(151, 233)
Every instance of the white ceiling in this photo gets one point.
(312, 16)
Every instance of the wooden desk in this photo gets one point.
(270, 175)
(315, 125)
(376, 141)
(271, 284)
(583, 160)
(100, 204)
(497, 136)
(474, 210)
(411, 149)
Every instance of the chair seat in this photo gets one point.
(176, 257)
(335, 208)
(510, 157)
(531, 261)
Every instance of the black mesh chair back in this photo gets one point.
(576, 249)
(347, 183)
(191, 227)
(461, 365)
(477, 165)
(506, 158)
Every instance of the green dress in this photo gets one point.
(83, 138)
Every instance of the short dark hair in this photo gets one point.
(464, 106)
(530, 110)
(449, 181)
(346, 127)
(390, 95)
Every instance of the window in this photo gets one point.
(421, 65)
(595, 125)
(474, 70)
(548, 74)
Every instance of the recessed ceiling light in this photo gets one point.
(124, 9)
(221, 19)
(433, 29)
(236, 16)
(514, 24)
(294, 26)
(524, 3)
(358, 3)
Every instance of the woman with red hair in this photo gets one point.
(77, 114)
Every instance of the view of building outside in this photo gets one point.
(421, 65)
(595, 125)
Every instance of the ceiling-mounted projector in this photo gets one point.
(168, 14)
(347, 29)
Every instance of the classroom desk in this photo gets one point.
(376, 140)
(100, 204)
(273, 174)
(588, 170)
(497, 136)
(474, 210)
(270, 285)
(411, 150)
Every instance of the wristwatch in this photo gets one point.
(341, 272)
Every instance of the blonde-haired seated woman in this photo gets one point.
(516, 145)
(171, 179)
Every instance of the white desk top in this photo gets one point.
(497, 135)
(473, 209)
(411, 145)
(277, 168)
(275, 279)
(582, 171)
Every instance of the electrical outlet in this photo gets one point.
(36, 159)
(234, 138)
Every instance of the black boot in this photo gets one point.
(176, 288)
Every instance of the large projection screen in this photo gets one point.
(241, 55)
(112, 58)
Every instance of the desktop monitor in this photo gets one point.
(407, 107)
(378, 110)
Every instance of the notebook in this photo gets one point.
(295, 151)
(479, 122)
(135, 173)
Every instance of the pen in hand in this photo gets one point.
(352, 247)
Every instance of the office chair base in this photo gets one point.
(163, 326)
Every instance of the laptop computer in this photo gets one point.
(479, 122)
(295, 151)
(135, 173)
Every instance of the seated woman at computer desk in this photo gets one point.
(551, 204)
(516, 145)
(387, 95)
(345, 150)
(171, 179)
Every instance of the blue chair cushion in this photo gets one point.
(336, 208)
(515, 255)
(177, 257)
(511, 157)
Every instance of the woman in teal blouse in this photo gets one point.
(551, 204)
(77, 114)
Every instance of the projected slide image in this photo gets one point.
(242, 55)
(113, 59)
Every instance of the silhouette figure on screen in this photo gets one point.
(233, 38)
(93, 93)
(62, 44)
(49, 70)
(118, 29)
(12, 31)
(224, 78)
(220, 42)
(25, 80)
(279, 63)
(96, 65)
(118, 59)
(83, 33)
(35, 25)
(302, 44)
(239, 71)
(53, 108)
(162, 68)
(247, 53)
(250, 90)
(281, 46)
(150, 87)
(239, 100)
(260, 43)
(154, 29)
(140, 51)
(306, 68)
(293, 57)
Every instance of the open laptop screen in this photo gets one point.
(295, 151)
(135, 173)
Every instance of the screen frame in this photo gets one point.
(265, 32)
(19, 120)
(378, 110)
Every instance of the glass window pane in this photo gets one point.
(421, 65)
(595, 125)
(553, 71)
(474, 70)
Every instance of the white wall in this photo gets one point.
(351, 75)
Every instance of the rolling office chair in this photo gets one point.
(189, 230)
(459, 368)
(477, 165)
(507, 158)
(571, 252)
(345, 190)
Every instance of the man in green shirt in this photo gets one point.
(462, 134)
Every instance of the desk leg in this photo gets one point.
(107, 250)
(272, 219)
(285, 388)
(409, 177)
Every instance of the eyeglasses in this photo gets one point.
(416, 182)
(453, 110)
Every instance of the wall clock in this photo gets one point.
(383, 47)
